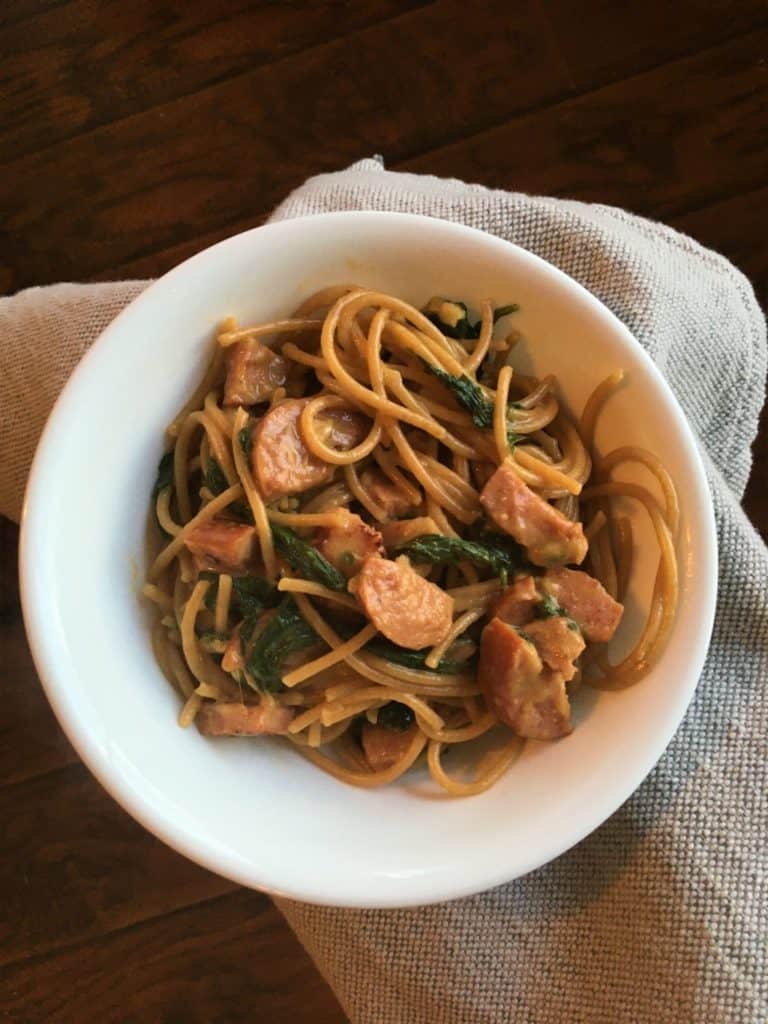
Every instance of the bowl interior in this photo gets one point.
(256, 811)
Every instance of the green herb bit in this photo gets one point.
(513, 438)
(396, 716)
(253, 594)
(452, 318)
(213, 642)
(441, 550)
(285, 633)
(548, 608)
(513, 307)
(215, 480)
(413, 659)
(245, 440)
(241, 511)
(210, 595)
(306, 560)
(164, 474)
(469, 394)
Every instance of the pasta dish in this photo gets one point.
(380, 541)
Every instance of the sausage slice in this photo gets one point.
(408, 610)
(232, 719)
(587, 602)
(548, 536)
(280, 461)
(253, 373)
(530, 698)
(221, 544)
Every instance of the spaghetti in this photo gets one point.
(371, 524)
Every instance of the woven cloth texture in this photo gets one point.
(661, 915)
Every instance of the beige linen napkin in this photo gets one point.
(662, 914)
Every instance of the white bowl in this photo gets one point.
(255, 811)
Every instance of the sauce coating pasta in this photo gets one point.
(381, 541)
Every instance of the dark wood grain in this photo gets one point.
(607, 40)
(133, 134)
(217, 962)
(31, 742)
(641, 143)
(233, 149)
(88, 62)
(74, 865)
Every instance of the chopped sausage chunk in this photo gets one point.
(408, 610)
(530, 698)
(517, 603)
(548, 536)
(348, 545)
(559, 643)
(280, 461)
(253, 373)
(587, 602)
(391, 498)
(384, 747)
(232, 719)
(399, 532)
(221, 544)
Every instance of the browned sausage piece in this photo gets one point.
(559, 643)
(518, 689)
(221, 544)
(517, 603)
(253, 373)
(548, 536)
(280, 461)
(384, 747)
(587, 602)
(388, 495)
(400, 531)
(348, 544)
(408, 610)
(232, 719)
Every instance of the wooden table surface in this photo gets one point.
(134, 134)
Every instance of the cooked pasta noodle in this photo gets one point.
(368, 518)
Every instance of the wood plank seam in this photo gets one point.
(69, 947)
(420, 5)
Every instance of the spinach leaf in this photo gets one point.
(217, 483)
(164, 474)
(396, 716)
(245, 439)
(215, 480)
(441, 550)
(413, 659)
(241, 511)
(285, 633)
(547, 608)
(250, 594)
(513, 307)
(253, 594)
(163, 480)
(452, 318)
(305, 559)
(468, 393)
(507, 550)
